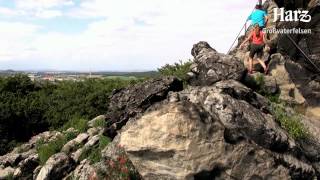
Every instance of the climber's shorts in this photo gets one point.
(256, 49)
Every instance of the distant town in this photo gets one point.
(56, 76)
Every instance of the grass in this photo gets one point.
(9, 177)
(259, 80)
(290, 122)
(93, 154)
(257, 84)
(179, 70)
(79, 124)
(99, 123)
(46, 150)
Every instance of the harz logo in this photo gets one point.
(296, 15)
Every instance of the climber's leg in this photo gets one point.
(250, 65)
(251, 56)
(266, 53)
(259, 52)
(263, 65)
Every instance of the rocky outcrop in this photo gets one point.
(57, 167)
(220, 131)
(131, 101)
(288, 90)
(6, 172)
(297, 74)
(84, 171)
(24, 162)
(210, 66)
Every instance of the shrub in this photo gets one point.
(28, 108)
(179, 70)
(10, 177)
(259, 79)
(256, 83)
(99, 123)
(94, 153)
(77, 123)
(290, 122)
(45, 151)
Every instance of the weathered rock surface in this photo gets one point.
(57, 166)
(94, 121)
(129, 102)
(4, 173)
(72, 145)
(210, 66)
(309, 43)
(24, 163)
(220, 131)
(300, 75)
(84, 171)
(288, 90)
(259, 81)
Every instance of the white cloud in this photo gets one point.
(41, 4)
(16, 39)
(139, 34)
(47, 14)
(43, 9)
(9, 12)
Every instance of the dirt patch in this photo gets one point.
(313, 112)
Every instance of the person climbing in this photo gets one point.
(257, 45)
(258, 16)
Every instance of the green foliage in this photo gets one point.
(290, 122)
(99, 123)
(77, 123)
(259, 79)
(274, 98)
(46, 150)
(10, 177)
(179, 70)
(94, 153)
(28, 108)
(256, 83)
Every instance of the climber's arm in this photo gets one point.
(245, 41)
(266, 19)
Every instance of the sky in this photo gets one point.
(113, 35)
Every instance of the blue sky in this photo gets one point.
(116, 35)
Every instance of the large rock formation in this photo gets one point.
(210, 66)
(129, 102)
(221, 131)
(296, 71)
(24, 161)
(289, 92)
(57, 167)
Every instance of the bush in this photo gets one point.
(179, 70)
(99, 123)
(45, 151)
(290, 122)
(93, 154)
(77, 123)
(28, 108)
